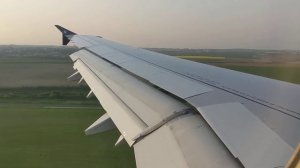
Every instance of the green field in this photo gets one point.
(43, 116)
(43, 127)
(280, 72)
(285, 71)
(200, 57)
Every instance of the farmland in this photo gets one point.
(282, 65)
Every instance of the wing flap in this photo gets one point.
(170, 155)
(186, 141)
(240, 130)
(126, 121)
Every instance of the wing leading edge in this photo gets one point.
(144, 92)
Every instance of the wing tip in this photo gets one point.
(64, 31)
(67, 34)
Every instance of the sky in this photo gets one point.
(256, 24)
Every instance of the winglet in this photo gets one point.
(67, 34)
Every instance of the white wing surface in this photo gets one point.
(178, 113)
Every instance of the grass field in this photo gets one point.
(280, 72)
(288, 71)
(201, 57)
(35, 71)
(34, 135)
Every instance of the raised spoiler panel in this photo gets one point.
(173, 83)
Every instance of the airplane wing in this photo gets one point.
(178, 113)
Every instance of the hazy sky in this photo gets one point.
(261, 24)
